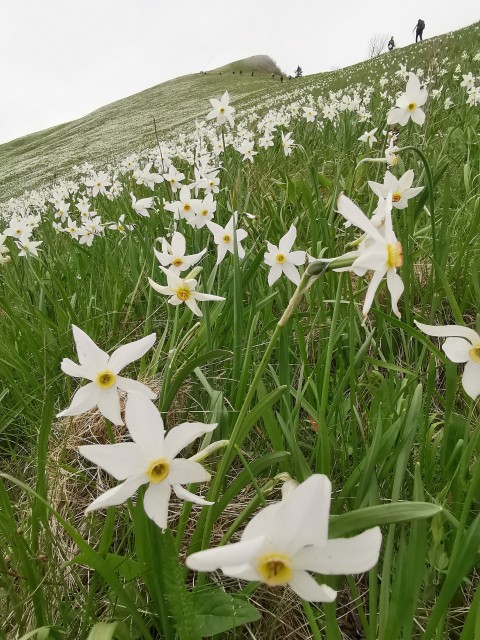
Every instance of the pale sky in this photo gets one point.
(61, 59)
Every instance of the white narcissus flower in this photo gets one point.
(462, 345)
(151, 458)
(309, 114)
(3, 250)
(223, 238)
(401, 190)
(141, 206)
(173, 254)
(286, 540)
(287, 143)
(221, 110)
(380, 252)
(282, 260)
(182, 290)
(369, 137)
(205, 210)
(103, 370)
(409, 103)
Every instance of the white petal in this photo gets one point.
(164, 290)
(471, 379)
(155, 503)
(286, 243)
(418, 116)
(395, 286)
(236, 554)
(297, 257)
(178, 242)
(85, 399)
(125, 384)
(291, 272)
(342, 555)
(274, 274)
(449, 330)
(372, 288)
(109, 405)
(183, 494)
(129, 352)
(76, 370)
(457, 349)
(308, 589)
(88, 353)
(193, 306)
(145, 424)
(117, 494)
(413, 85)
(351, 212)
(121, 460)
(405, 181)
(181, 436)
(184, 471)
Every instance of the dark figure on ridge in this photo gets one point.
(418, 28)
(391, 44)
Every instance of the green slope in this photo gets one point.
(127, 125)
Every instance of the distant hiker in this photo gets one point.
(391, 44)
(418, 28)
(252, 74)
(273, 75)
(281, 78)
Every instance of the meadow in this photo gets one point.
(240, 364)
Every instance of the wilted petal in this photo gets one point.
(184, 434)
(308, 588)
(129, 352)
(121, 460)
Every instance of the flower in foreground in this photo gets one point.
(182, 290)
(151, 458)
(409, 103)
(282, 260)
(103, 370)
(380, 252)
(221, 110)
(289, 538)
(401, 190)
(463, 346)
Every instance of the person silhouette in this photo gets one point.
(418, 28)
(391, 44)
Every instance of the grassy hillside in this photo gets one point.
(127, 125)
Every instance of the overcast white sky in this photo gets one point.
(61, 59)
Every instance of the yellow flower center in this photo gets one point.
(204, 212)
(226, 238)
(222, 110)
(280, 258)
(396, 197)
(158, 470)
(412, 106)
(474, 353)
(395, 255)
(106, 379)
(186, 207)
(183, 294)
(120, 227)
(275, 569)
(177, 262)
